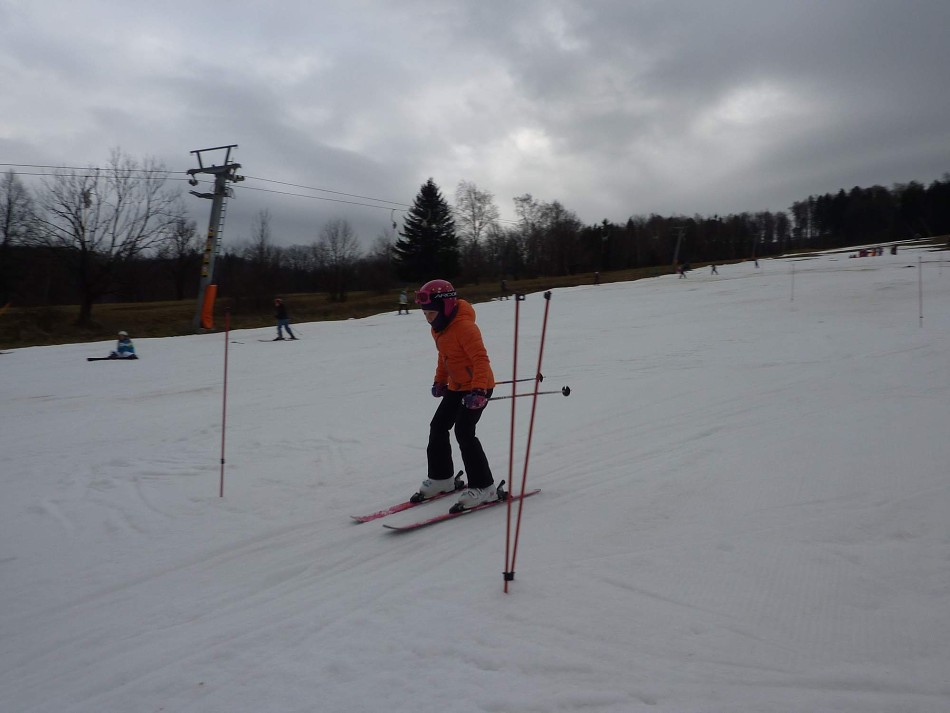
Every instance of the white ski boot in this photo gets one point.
(476, 496)
(431, 488)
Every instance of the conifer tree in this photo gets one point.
(428, 247)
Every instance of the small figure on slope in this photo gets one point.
(124, 349)
(464, 383)
(283, 321)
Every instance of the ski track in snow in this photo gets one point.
(744, 508)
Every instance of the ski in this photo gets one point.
(399, 507)
(452, 515)
(131, 358)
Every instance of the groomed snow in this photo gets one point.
(745, 507)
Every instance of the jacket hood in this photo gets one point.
(463, 310)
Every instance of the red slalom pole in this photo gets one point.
(510, 572)
(224, 402)
(511, 439)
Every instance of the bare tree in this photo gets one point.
(16, 225)
(180, 254)
(263, 259)
(100, 219)
(501, 251)
(16, 210)
(299, 266)
(475, 212)
(339, 250)
(549, 232)
(376, 268)
(261, 249)
(299, 259)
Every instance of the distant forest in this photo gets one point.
(121, 235)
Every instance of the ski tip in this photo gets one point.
(402, 528)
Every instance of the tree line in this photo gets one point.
(121, 233)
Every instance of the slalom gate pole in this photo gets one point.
(511, 437)
(510, 568)
(224, 401)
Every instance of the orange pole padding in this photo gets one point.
(207, 309)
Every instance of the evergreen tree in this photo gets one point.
(428, 247)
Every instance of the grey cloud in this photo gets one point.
(640, 103)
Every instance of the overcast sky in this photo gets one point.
(614, 108)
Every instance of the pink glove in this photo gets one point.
(475, 399)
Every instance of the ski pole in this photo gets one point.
(540, 377)
(563, 391)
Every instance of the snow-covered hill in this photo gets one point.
(745, 507)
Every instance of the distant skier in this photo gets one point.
(124, 349)
(283, 321)
(463, 382)
(713, 271)
(403, 302)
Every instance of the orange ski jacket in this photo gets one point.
(463, 362)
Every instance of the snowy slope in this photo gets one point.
(746, 508)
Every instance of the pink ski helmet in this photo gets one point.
(437, 296)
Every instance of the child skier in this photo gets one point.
(463, 382)
(124, 349)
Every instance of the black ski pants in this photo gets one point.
(451, 413)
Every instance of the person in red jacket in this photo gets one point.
(463, 384)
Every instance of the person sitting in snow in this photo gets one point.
(124, 349)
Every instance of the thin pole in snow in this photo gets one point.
(511, 437)
(224, 401)
(793, 282)
(920, 290)
(509, 573)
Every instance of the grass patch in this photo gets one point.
(35, 326)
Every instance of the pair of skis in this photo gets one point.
(411, 502)
(503, 497)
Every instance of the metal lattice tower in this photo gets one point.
(227, 172)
